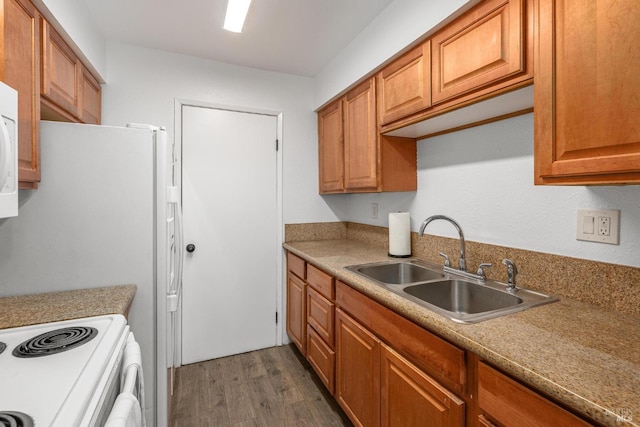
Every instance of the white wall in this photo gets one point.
(400, 24)
(483, 178)
(143, 84)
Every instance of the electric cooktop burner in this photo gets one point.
(2, 347)
(15, 419)
(56, 341)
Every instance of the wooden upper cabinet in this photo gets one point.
(586, 92)
(90, 98)
(361, 138)
(479, 49)
(330, 152)
(353, 157)
(404, 86)
(409, 396)
(61, 72)
(20, 69)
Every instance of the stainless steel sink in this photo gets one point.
(399, 273)
(460, 299)
(463, 297)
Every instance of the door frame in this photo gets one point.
(179, 103)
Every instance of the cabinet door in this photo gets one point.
(410, 397)
(479, 49)
(361, 138)
(20, 69)
(586, 92)
(330, 150)
(506, 402)
(61, 72)
(404, 86)
(90, 98)
(357, 371)
(296, 312)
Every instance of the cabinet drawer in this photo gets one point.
(295, 265)
(440, 359)
(320, 315)
(322, 358)
(321, 282)
(506, 402)
(408, 394)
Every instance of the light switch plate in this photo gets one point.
(598, 225)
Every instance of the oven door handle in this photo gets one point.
(132, 379)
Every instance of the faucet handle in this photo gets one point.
(512, 271)
(447, 263)
(481, 268)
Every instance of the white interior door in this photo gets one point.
(229, 184)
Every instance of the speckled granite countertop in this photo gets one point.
(583, 356)
(56, 306)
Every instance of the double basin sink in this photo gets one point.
(458, 298)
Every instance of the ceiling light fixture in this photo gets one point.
(236, 13)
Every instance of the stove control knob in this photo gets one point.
(191, 247)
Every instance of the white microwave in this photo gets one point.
(8, 151)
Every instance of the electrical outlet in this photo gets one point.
(597, 225)
(374, 210)
(604, 225)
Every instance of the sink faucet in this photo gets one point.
(463, 263)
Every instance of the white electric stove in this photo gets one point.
(62, 374)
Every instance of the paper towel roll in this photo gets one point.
(399, 234)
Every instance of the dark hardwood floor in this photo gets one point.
(270, 387)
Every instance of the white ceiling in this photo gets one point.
(290, 36)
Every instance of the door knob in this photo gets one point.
(191, 247)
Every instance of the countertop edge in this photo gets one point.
(24, 310)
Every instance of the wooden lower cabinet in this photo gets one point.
(296, 311)
(357, 371)
(505, 402)
(384, 370)
(410, 397)
(376, 386)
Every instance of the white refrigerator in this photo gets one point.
(106, 213)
